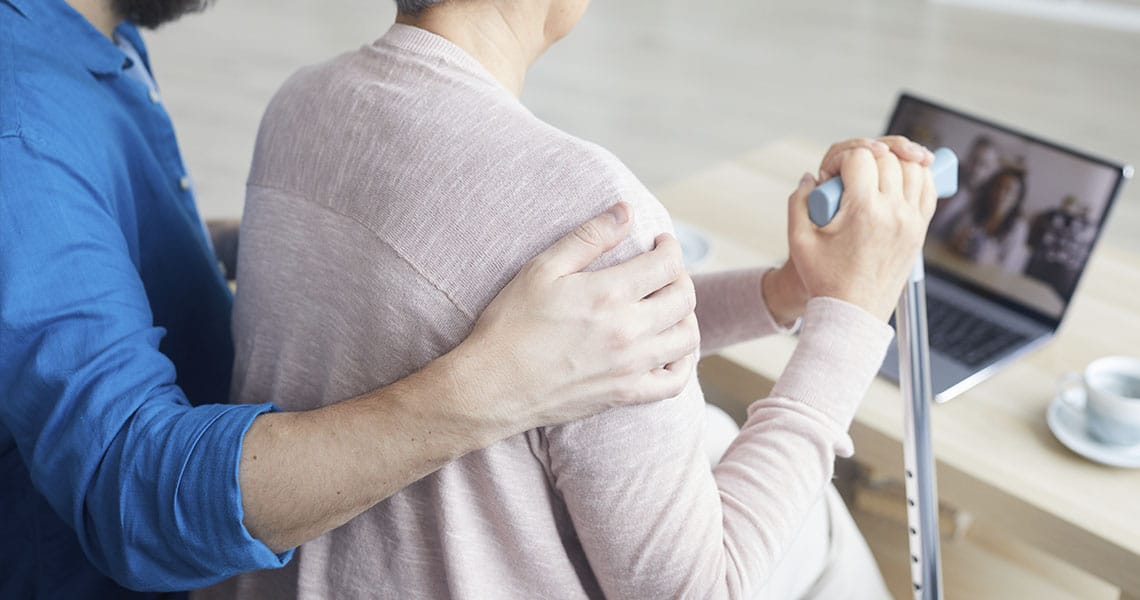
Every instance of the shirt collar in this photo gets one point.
(87, 44)
(127, 30)
(410, 38)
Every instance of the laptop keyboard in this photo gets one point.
(964, 336)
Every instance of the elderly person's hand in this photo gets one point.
(867, 251)
(562, 343)
(784, 289)
(904, 149)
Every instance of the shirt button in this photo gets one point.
(154, 96)
(184, 183)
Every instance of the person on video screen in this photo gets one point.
(1061, 239)
(982, 161)
(993, 230)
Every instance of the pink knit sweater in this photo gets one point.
(394, 191)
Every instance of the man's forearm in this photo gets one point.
(304, 473)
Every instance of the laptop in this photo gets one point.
(1005, 255)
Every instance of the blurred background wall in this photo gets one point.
(673, 86)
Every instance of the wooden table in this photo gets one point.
(996, 457)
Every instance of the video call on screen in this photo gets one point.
(1026, 215)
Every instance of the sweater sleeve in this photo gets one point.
(656, 522)
(731, 309)
(148, 483)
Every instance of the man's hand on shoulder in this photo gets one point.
(559, 343)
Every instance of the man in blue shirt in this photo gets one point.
(120, 463)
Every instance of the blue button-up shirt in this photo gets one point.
(118, 455)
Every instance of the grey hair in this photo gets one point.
(412, 7)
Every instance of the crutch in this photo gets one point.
(914, 381)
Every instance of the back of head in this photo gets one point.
(412, 7)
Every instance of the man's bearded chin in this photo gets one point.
(152, 13)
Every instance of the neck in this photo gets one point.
(99, 13)
(504, 40)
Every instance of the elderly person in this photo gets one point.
(406, 179)
(119, 451)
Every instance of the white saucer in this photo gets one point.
(1068, 424)
(695, 246)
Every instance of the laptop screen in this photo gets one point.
(1027, 213)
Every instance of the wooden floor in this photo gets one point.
(977, 564)
(673, 86)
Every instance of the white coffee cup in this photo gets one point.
(1111, 401)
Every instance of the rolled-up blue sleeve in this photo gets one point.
(148, 483)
